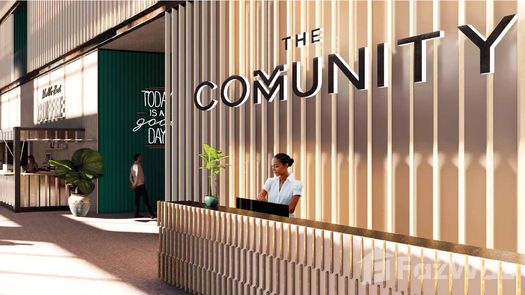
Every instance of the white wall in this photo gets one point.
(10, 109)
(80, 87)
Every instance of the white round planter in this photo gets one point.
(79, 204)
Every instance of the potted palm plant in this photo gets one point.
(212, 159)
(79, 173)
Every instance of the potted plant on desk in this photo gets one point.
(212, 159)
(79, 173)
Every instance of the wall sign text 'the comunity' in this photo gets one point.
(268, 86)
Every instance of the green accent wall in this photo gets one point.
(122, 75)
(20, 38)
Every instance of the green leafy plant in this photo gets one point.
(79, 172)
(213, 162)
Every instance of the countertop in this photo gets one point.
(507, 256)
(45, 173)
(42, 173)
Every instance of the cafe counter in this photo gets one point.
(234, 251)
(37, 190)
(7, 191)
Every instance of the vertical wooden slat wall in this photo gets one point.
(168, 115)
(441, 159)
(521, 130)
(57, 27)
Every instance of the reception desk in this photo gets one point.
(233, 251)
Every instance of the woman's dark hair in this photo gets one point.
(31, 157)
(284, 159)
(136, 156)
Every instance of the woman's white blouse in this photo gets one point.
(290, 188)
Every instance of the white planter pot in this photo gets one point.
(79, 204)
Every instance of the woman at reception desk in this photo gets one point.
(283, 188)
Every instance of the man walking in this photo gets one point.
(136, 177)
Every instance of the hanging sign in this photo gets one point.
(52, 104)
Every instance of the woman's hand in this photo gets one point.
(262, 196)
(293, 204)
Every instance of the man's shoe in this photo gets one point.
(138, 216)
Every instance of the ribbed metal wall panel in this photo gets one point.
(442, 159)
(6, 50)
(20, 41)
(56, 27)
(122, 77)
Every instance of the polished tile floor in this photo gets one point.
(56, 253)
